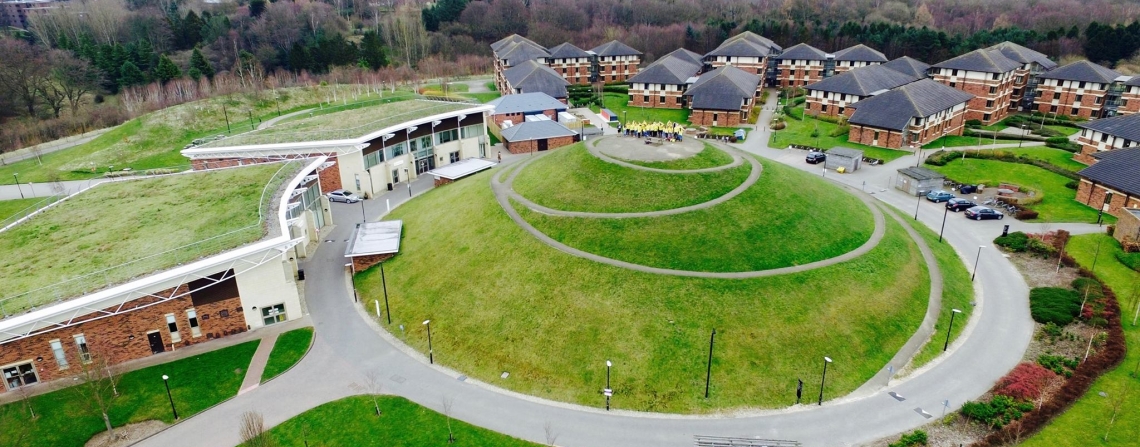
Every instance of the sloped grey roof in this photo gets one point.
(894, 109)
(860, 52)
(863, 81)
(803, 51)
(670, 69)
(746, 44)
(1134, 81)
(513, 38)
(845, 152)
(614, 48)
(526, 102)
(1123, 126)
(723, 89)
(1083, 71)
(1024, 55)
(755, 38)
(921, 173)
(686, 55)
(1117, 169)
(983, 60)
(531, 76)
(567, 51)
(518, 52)
(908, 65)
(536, 130)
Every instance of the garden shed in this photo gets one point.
(842, 157)
(917, 180)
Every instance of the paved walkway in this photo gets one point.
(51, 146)
(271, 122)
(257, 364)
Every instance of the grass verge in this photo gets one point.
(1059, 203)
(800, 132)
(196, 383)
(1087, 421)
(483, 97)
(287, 351)
(9, 208)
(959, 141)
(618, 103)
(500, 300)
(709, 157)
(1056, 157)
(573, 179)
(353, 421)
(767, 226)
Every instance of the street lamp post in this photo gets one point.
(708, 372)
(826, 360)
(431, 357)
(950, 328)
(166, 381)
(363, 215)
(1024, 133)
(408, 174)
(943, 229)
(384, 281)
(917, 204)
(16, 175)
(608, 391)
(979, 258)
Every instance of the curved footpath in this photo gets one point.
(347, 348)
(737, 160)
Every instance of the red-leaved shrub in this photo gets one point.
(1025, 382)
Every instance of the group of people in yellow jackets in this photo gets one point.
(670, 130)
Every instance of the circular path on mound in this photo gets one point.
(504, 193)
(737, 160)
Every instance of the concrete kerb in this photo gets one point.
(294, 365)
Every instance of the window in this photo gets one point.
(1020, 79)
(57, 351)
(662, 99)
(192, 315)
(823, 108)
(996, 76)
(1052, 109)
(993, 89)
(989, 103)
(1074, 111)
(1097, 100)
(471, 131)
(986, 117)
(918, 121)
(1082, 85)
(1127, 143)
(425, 142)
(173, 327)
(396, 150)
(454, 156)
(645, 99)
(1016, 92)
(447, 136)
(373, 159)
(19, 375)
(1103, 138)
(1078, 98)
(953, 84)
(1056, 95)
(81, 345)
(273, 314)
(955, 73)
(841, 110)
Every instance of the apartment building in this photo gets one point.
(857, 56)
(615, 61)
(800, 65)
(909, 116)
(831, 96)
(986, 74)
(1078, 90)
(662, 84)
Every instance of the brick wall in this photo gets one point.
(803, 74)
(330, 176)
(1131, 104)
(522, 147)
(111, 337)
(518, 118)
(815, 107)
(1067, 101)
(1088, 148)
(1127, 227)
(976, 108)
(362, 263)
(866, 135)
(672, 99)
(1093, 195)
(723, 118)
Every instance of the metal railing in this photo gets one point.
(9, 220)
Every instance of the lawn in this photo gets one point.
(502, 301)
(10, 208)
(353, 421)
(959, 141)
(709, 157)
(196, 383)
(572, 179)
(155, 140)
(768, 226)
(995, 127)
(1064, 130)
(1059, 203)
(120, 222)
(1056, 157)
(1087, 421)
(287, 351)
(617, 103)
(483, 97)
(800, 132)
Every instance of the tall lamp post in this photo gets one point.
(950, 328)
(384, 281)
(408, 174)
(1024, 133)
(16, 175)
(708, 372)
(917, 204)
(826, 360)
(431, 358)
(166, 381)
(608, 391)
(979, 258)
(943, 229)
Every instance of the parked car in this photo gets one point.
(939, 196)
(341, 195)
(981, 212)
(816, 157)
(968, 189)
(957, 204)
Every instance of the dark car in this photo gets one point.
(981, 212)
(939, 196)
(816, 157)
(957, 204)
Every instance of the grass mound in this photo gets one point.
(710, 157)
(572, 179)
(500, 300)
(770, 225)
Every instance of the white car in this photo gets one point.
(341, 195)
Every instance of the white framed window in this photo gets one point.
(273, 314)
(175, 337)
(81, 346)
(192, 315)
(373, 159)
(447, 136)
(19, 374)
(57, 351)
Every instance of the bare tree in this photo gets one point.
(22, 73)
(98, 387)
(374, 390)
(447, 402)
(1115, 401)
(73, 78)
(253, 430)
(551, 435)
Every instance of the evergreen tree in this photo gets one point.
(166, 70)
(372, 51)
(129, 74)
(300, 58)
(190, 34)
(143, 55)
(256, 7)
(199, 64)
(194, 73)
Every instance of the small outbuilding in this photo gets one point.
(460, 169)
(537, 136)
(917, 180)
(373, 242)
(846, 158)
(1128, 226)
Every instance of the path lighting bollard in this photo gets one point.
(979, 258)
(826, 360)
(166, 381)
(16, 175)
(953, 313)
(431, 358)
(708, 372)
(384, 281)
(608, 391)
(943, 229)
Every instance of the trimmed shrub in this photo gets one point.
(1054, 305)
(1057, 364)
(1025, 214)
(1037, 246)
(1025, 382)
(840, 131)
(973, 123)
(1057, 140)
(1047, 132)
(910, 439)
(1015, 242)
(1132, 260)
(998, 412)
(1072, 184)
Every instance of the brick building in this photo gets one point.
(909, 116)
(244, 287)
(722, 97)
(615, 62)
(14, 13)
(1107, 134)
(514, 109)
(573, 63)
(662, 84)
(1033, 63)
(1078, 90)
(857, 56)
(988, 75)
(1111, 184)
(831, 96)
(800, 65)
(512, 51)
(533, 77)
(537, 136)
(1129, 96)
(747, 51)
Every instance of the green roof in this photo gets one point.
(119, 231)
(344, 124)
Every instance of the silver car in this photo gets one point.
(341, 195)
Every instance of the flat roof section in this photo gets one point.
(462, 168)
(375, 238)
